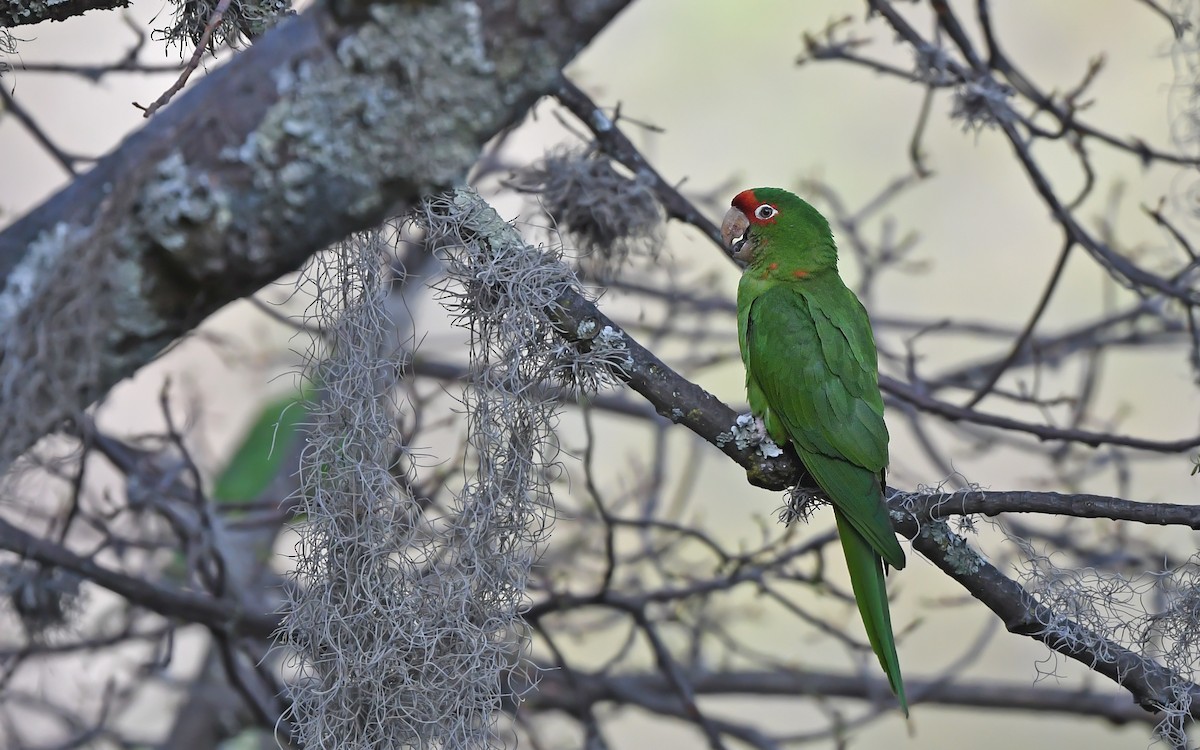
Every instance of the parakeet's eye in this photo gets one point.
(765, 211)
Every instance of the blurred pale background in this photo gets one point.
(720, 78)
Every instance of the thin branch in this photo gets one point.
(1179, 26)
(194, 62)
(954, 413)
(1076, 505)
(10, 105)
(590, 688)
(1119, 266)
(220, 615)
(624, 151)
(678, 680)
(1065, 114)
(618, 146)
(128, 63)
(1023, 337)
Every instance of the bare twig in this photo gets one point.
(10, 105)
(192, 63)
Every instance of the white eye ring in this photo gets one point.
(765, 211)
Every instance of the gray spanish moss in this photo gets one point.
(405, 625)
(1156, 614)
(611, 217)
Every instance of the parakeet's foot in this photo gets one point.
(750, 432)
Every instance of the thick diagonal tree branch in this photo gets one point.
(328, 124)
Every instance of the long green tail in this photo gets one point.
(866, 579)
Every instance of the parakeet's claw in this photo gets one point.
(767, 447)
(750, 431)
(761, 427)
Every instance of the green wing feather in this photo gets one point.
(817, 371)
(812, 356)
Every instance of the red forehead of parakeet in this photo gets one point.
(758, 211)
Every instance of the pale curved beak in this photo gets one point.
(733, 231)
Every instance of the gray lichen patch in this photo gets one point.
(963, 559)
(407, 101)
(18, 13)
(611, 216)
(183, 212)
(750, 432)
(586, 329)
(611, 343)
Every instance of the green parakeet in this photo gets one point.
(812, 377)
